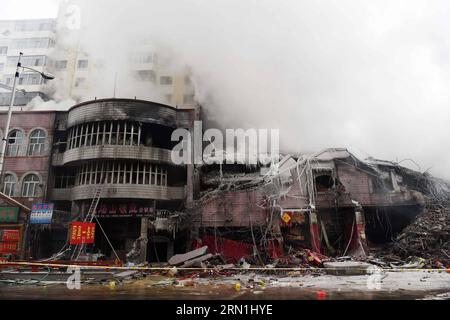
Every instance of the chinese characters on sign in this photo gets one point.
(9, 235)
(121, 210)
(82, 232)
(9, 247)
(9, 241)
(9, 214)
(41, 213)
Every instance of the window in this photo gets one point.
(2, 67)
(61, 64)
(35, 25)
(146, 75)
(3, 50)
(119, 172)
(27, 79)
(168, 98)
(27, 61)
(30, 43)
(165, 80)
(30, 186)
(79, 81)
(188, 98)
(9, 185)
(14, 141)
(142, 58)
(82, 64)
(37, 143)
(8, 80)
(105, 133)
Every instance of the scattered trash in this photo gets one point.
(321, 295)
(173, 272)
(243, 264)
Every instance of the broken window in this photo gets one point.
(104, 133)
(14, 141)
(324, 183)
(118, 172)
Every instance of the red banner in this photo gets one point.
(82, 233)
(9, 235)
(9, 247)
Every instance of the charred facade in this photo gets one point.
(121, 148)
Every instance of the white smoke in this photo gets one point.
(370, 75)
(37, 104)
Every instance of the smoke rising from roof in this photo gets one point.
(370, 75)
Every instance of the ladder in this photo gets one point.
(89, 217)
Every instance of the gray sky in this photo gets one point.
(26, 9)
(370, 75)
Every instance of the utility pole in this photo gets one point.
(8, 121)
(46, 76)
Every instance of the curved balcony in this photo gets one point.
(122, 109)
(112, 152)
(127, 191)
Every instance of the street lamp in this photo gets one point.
(45, 75)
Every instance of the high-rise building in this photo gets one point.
(36, 38)
(55, 46)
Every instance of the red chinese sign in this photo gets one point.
(9, 235)
(82, 233)
(9, 241)
(9, 247)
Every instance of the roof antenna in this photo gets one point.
(115, 84)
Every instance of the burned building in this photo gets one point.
(110, 160)
(331, 202)
(119, 150)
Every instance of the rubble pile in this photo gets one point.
(428, 236)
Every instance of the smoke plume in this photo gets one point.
(370, 75)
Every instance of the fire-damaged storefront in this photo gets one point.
(112, 157)
(331, 203)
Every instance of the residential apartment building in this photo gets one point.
(26, 172)
(36, 39)
(52, 45)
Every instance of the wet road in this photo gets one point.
(394, 286)
(99, 292)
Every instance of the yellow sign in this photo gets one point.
(286, 217)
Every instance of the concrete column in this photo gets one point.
(361, 230)
(144, 239)
(314, 231)
(170, 249)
